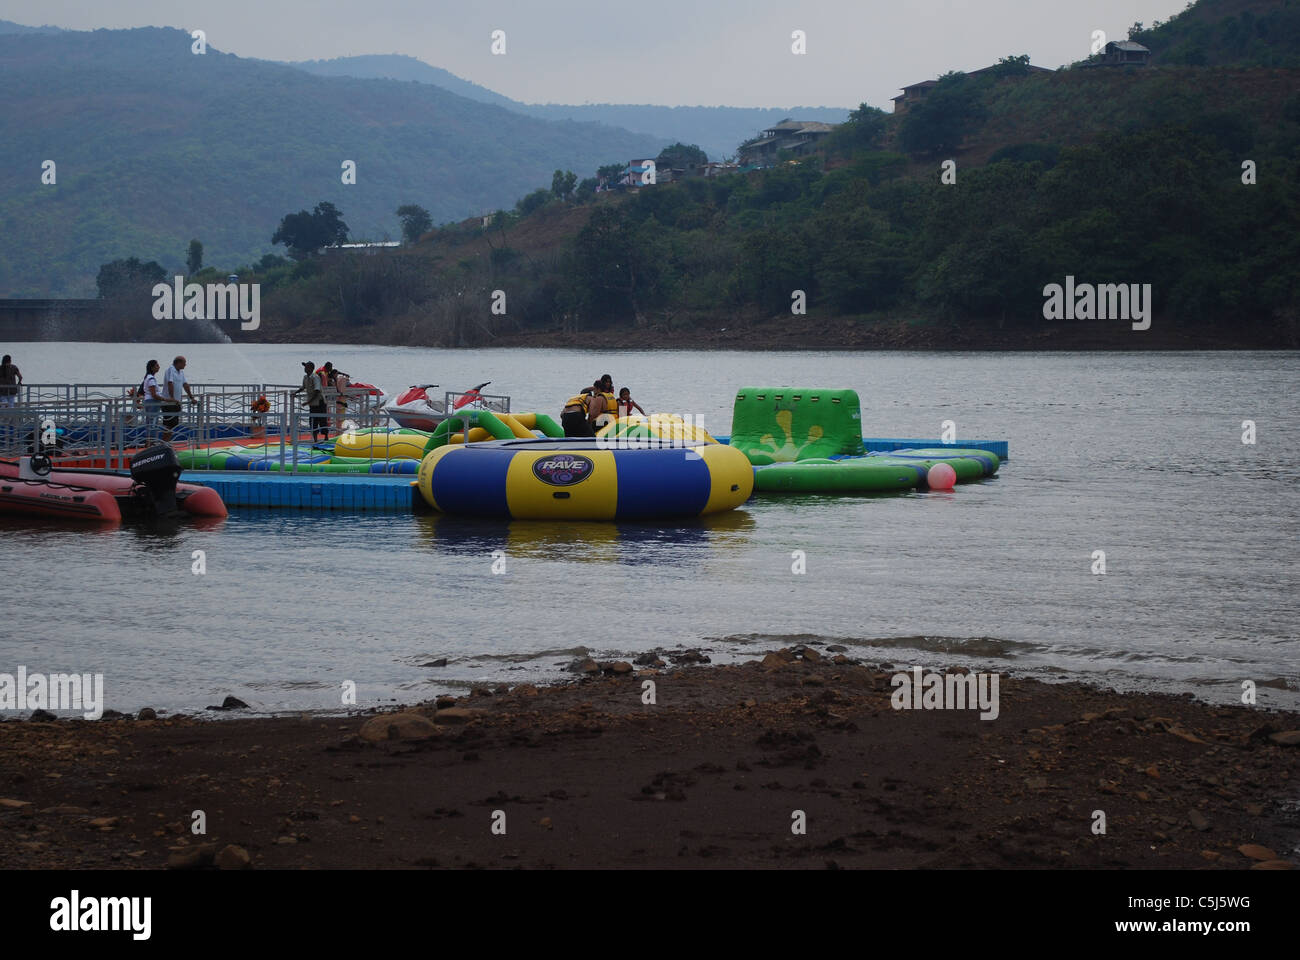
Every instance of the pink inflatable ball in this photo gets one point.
(941, 477)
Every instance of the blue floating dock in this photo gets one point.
(887, 444)
(311, 491)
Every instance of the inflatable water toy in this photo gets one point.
(900, 470)
(302, 458)
(784, 424)
(486, 425)
(664, 426)
(382, 444)
(150, 488)
(574, 479)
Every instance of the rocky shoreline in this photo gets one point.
(798, 760)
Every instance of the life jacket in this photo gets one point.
(577, 400)
(608, 414)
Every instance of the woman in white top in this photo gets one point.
(151, 398)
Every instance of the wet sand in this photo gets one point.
(585, 774)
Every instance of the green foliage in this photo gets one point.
(610, 171)
(864, 130)
(416, 221)
(194, 258)
(1220, 33)
(304, 233)
(1011, 67)
(562, 184)
(534, 201)
(948, 113)
(1044, 153)
(128, 278)
(681, 155)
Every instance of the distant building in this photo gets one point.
(1122, 53)
(915, 93)
(799, 137)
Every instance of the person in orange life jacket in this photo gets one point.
(626, 404)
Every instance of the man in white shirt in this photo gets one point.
(173, 383)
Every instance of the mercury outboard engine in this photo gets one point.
(155, 471)
(35, 467)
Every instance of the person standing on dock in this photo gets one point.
(311, 386)
(11, 379)
(150, 399)
(174, 383)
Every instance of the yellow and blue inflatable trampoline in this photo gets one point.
(579, 479)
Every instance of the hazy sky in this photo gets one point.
(734, 52)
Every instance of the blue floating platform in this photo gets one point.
(888, 444)
(311, 491)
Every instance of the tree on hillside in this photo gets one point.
(864, 130)
(416, 222)
(1011, 66)
(681, 155)
(304, 233)
(586, 190)
(940, 122)
(534, 201)
(194, 259)
(610, 172)
(128, 278)
(562, 184)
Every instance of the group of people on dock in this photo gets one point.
(314, 384)
(165, 399)
(596, 406)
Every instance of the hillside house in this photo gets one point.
(799, 137)
(915, 93)
(1124, 53)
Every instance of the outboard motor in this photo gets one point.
(155, 471)
(35, 467)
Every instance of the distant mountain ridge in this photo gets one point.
(155, 145)
(8, 26)
(717, 130)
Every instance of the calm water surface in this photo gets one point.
(1137, 455)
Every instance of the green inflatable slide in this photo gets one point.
(784, 424)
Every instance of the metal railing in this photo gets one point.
(104, 424)
(101, 425)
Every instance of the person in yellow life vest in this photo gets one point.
(574, 416)
(609, 407)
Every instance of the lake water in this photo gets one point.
(1139, 455)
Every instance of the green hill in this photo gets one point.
(1243, 33)
(155, 145)
(1108, 175)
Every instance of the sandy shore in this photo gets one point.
(713, 774)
